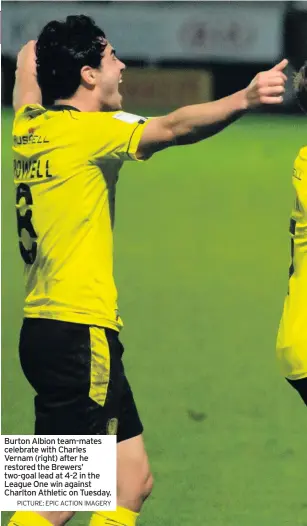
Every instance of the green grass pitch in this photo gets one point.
(201, 263)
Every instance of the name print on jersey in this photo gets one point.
(29, 139)
(32, 169)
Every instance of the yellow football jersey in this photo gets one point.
(292, 334)
(66, 166)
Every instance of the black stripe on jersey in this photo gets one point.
(292, 231)
(141, 121)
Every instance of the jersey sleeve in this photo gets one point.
(29, 111)
(116, 135)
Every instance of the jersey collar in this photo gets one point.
(61, 107)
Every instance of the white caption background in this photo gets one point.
(56, 473)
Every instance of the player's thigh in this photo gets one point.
(51, 356)
(56, 358)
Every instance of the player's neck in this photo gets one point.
(80, 103)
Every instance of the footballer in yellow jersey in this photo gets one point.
(66, 166)
(67, 158)
(292, 334)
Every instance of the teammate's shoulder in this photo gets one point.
(302, 154)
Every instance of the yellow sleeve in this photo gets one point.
(115, 135)
(28, 110)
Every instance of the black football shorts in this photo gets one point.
(301, 387)
(79, 379)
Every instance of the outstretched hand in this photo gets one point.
(267, 87)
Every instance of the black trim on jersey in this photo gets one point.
(139, 124)
(61, 107)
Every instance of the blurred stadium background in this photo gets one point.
(201, 259)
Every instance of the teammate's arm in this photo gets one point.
(191, 124)
(26, 89)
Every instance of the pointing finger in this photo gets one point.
(281, 65)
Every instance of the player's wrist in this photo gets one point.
(244, 100)
(238, 102)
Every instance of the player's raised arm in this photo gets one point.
(26, 89)
(194, 123)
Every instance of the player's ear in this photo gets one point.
(88, 75)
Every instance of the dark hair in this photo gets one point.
(300, 87)
(62, 49)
